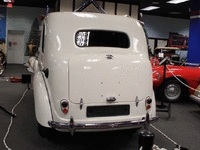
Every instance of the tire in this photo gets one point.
(172, 91)
(2, 57)
(44, 131)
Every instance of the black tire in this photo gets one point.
(2, 57)
(172, 91)
(44, 131)
(5, 65)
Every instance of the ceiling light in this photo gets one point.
(176, 1)
(9, 1)
(149, 8)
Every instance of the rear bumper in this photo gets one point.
(195, 98)
(72, 126)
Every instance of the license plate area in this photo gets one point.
(107, 111)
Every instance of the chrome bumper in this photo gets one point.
(195, 98)
(72, 126)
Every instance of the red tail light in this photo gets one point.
(148, 103)
(64, 106)
(148, 107)
(65, 111)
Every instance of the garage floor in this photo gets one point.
(182, 127)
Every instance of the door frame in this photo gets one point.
(19, 32)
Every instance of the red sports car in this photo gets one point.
(178, 81)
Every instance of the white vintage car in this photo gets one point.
(92, 74)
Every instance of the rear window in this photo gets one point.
(99, 38)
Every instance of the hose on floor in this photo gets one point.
(11, 121)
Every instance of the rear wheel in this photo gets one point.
(172, 91)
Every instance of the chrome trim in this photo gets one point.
(109, 56)
(73, 126)
(110, 99)
(137, 101)
(195, 98)
(81, 103)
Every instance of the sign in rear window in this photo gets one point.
(100, 38)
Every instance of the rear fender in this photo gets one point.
(41, 98)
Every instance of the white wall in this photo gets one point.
(109, 7)
(66, 5)
(159, 27)
(21, 18)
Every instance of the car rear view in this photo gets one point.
(99, 74)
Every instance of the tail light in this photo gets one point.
(64, 106)
(148, 103)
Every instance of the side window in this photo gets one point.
(43, 32)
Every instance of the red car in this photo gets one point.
(179, 80)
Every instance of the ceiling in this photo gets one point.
(167, 10)
(31, 3)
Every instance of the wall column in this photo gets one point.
(194, 35)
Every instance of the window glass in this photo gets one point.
(43, 38)
(100, 38)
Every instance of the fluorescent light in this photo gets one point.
(149, 8)
(176, 1)
(9, 1)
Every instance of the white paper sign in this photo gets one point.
(161, 55)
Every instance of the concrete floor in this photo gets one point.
(182, 127)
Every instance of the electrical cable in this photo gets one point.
(11, 121)
(178, 147)
(163, 134)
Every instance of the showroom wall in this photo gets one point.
(3, 11)
(159, 27)
(109, 7)
(156, 26)
(21, 19)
